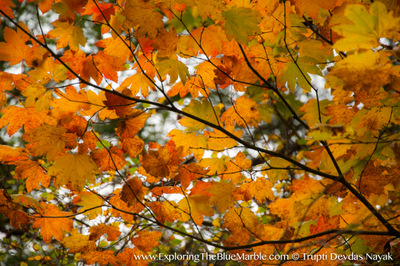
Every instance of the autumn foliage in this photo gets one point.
(145, 127)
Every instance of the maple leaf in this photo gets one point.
(46, 140)
(214, 165)
(67, 34)
(234, 168)
(241, 222)
(12, 210)
(147, 22)
(156, 161)
(6, 6)
(10, 155)
(164, 211)
(99, 11)
(14, 50)
(203, 110)
(194, 207)
(324, 223)
(146, 240)
(90, 202)
(34, 174)
(313, 9)
(240, 23)
(97, 231)
(192, 142)
(127, 215)
(173, 68)
(138, 81)
(51, 227)
(78, 242)
(131, 125)
(132, 146)
(16, 117)
(105, 257)
(367, 26)
(222, 197)
(74, 168)
(109, 159)
(244, 113)
(298, 73)
(37, 96)
(132, 191)
(260, 190)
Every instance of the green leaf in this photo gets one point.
(203, 110)
(291, 73)
(240, 23)
(173, 68)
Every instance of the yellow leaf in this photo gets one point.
(244, 112)
(91, 204)
(195, 207)
(67, 34)
(138, 81)
(46, 140)
(260, 190)
(367, 27)
(191, 141)
(77, 242)
(222, 197)
(74, 168)
(215, 165)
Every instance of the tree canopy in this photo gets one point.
(254, 132)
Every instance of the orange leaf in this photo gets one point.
(10, 155)
(194, 207)
(131, 125)
(16, 117)
(97, 231)
(132, 146)
(132, 191)
(146, 240)
(46, 140)
(33, 173)
(122, 205)
(14, 50)
(244, 113)
(56, 226)
(156, 161)
(325, 223)
(260, 190)
(105, 257)
(222, 197)
(111, 159)
(12, 210)
(164, 211)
